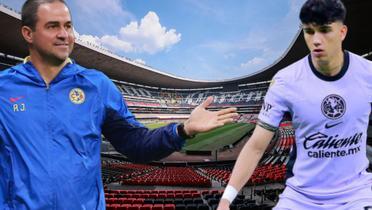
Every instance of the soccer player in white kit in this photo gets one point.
(328, 94)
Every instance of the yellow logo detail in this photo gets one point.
(77, 96)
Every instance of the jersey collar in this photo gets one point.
(331, 78)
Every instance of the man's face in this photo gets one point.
(324, 41)
(53, 37)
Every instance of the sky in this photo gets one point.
(196, 39)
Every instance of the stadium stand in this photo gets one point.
(271, 170)
(154, 97)
(170, 176)
(7, 61)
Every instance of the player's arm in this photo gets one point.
(247, 162)
(272, 111)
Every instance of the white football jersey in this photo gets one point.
(330, 117)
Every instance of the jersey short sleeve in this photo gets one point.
(274, 105)
(370, 79)
(364, 68)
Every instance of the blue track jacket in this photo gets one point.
(50, 137)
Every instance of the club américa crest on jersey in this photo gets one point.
(333, 107)
(77, 96)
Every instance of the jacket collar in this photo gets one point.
(29, 70)
(27, 59)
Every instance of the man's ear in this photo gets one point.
(27, 34)
(343, 32)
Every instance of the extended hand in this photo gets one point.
(202, 120)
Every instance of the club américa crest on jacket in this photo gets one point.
(77, 96)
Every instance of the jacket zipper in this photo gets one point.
(49, 137)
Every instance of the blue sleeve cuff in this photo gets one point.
(179, 141)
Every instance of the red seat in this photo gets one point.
(123, 207)
(112, 206)
(134, 207)
(169, 207)
(146, 207)
(157, 207)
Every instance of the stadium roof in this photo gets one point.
(118, 68)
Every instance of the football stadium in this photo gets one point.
(195, 177)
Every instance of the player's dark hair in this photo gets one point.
(322, 12)
(29, 11)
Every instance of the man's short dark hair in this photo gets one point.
(322, 12)
(29, 11)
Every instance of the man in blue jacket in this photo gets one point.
(52, 114)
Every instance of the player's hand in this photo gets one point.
(223, 205)
(202, 120)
